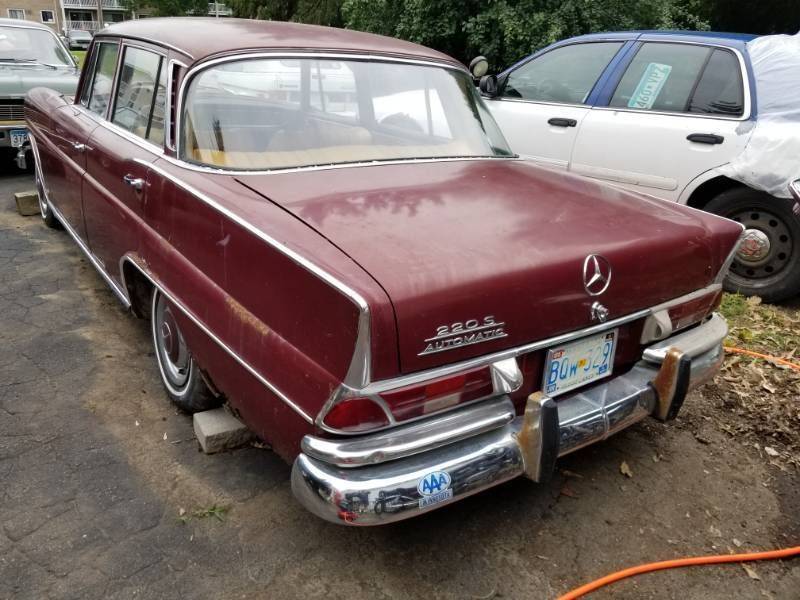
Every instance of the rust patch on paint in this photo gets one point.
(246, 317)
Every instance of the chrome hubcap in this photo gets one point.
(766, 246)
(754, 247)
(171, 347)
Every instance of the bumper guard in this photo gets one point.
(411, 470)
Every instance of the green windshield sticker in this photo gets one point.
(653, 79)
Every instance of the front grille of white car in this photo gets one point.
(11, 111)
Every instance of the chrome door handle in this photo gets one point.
(136, 183)
(78, 146)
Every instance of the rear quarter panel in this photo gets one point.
(290, 326)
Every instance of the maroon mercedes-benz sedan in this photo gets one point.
(327, 230)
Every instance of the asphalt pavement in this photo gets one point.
(104, 494)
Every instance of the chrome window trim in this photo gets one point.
(278, 54)
(105, 36)
(359, 371)
(524, 101)
(196, 320)
(371, 163)
(747, 108)
(119, 292)
(173, 63)
(94, 57)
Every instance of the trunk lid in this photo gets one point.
(499, 245)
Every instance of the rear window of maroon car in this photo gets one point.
(255, 114)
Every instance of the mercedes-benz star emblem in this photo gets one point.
(596, 274)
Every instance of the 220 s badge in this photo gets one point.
(464, 333)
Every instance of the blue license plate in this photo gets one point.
(18, 137)
(578, 363)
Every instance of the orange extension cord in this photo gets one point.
(679, 562)
(699, 560)
(775, 359)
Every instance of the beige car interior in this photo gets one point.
(315, 142)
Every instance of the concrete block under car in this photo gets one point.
(218, 430)
(27, 203)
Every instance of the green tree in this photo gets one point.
(319, 12)
(168, 8)
(507, 30)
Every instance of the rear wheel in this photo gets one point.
(44, 207)
(179, 371)
(767, 263)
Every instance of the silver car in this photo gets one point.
(31, 55)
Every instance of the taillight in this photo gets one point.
(360, 414)
(355, 415)
(680, 313)
(438, 394)
(693, 311)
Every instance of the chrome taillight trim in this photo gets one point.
(723, 270)
(406, 440)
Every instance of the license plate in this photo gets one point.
(578, 363)
(18, 137)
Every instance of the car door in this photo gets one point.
(543, 101)
(119, 155)
(70, 130)
(676, 112)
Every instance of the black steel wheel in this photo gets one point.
(767, 263)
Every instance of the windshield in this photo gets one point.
(281, 113)
(21, 44)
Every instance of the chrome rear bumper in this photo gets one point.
(408, 471)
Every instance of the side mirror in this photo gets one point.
(479, 66)
(488, 85)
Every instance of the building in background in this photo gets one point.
(89, 15)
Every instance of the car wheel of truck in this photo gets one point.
(44, 207)
(767, 263)
(179, 371)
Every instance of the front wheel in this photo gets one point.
(767, 263)
(179, 371)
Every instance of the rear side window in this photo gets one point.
(565, 75)
(102, 78)
(668, 77)
(719, 91)
(139, 105)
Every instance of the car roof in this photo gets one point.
(25, 24)
(202, 37)
(733, 40)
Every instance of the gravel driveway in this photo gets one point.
(103, 493)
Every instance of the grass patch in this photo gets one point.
(216, 511)
(80, 55)
(762, 327)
